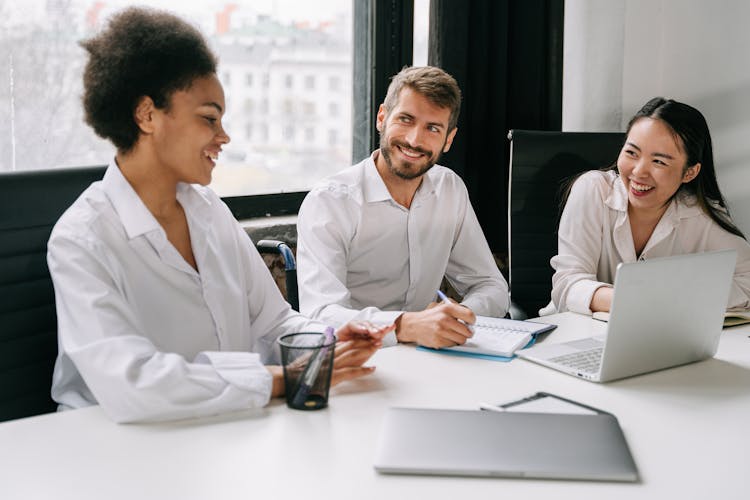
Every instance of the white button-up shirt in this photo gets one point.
(595, 236)
(144, 334)
(361, 255)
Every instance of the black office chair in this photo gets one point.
(541, 163)
(30, 204)
(290, 267)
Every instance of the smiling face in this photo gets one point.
(413, 135)
(653, 165)
(188, 135)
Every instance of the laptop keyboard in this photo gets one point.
(583, 361)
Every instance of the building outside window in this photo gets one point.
(310, 82)
(289, 133)
(41, 67)
(334, 83)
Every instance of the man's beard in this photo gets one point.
(404, 170)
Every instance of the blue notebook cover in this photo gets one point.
(502, 359)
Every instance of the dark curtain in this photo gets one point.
(507, 58)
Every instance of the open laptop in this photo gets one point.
(504, 444)
(665, 312)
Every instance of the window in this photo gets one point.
(268, 45)
(289, 133)
(288, 107)
(333, 108)
(421, 32)
(334, 83)
(262, 47)
(310, 82)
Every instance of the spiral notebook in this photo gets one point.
(500, 336)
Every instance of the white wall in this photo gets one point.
(592, 65)
(618, 54)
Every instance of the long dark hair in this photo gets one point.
(690, 126)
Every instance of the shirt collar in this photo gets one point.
(196, 203)
(375, 189)
(135, 216)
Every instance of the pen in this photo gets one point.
(311, 370)
(445, 299)
(491, 407)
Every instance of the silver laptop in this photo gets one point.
(665, 312)
(504, 444)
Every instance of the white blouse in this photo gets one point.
(140, 331)
(595, 236)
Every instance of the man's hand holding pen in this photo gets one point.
(442, 325)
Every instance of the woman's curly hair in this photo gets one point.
(142, 52)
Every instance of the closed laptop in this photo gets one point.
(504, 444)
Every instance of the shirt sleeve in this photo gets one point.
(471, 268)
(579, 245)
(128, 375)
(325, 226)
(720, 239)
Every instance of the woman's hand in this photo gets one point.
(357, 341)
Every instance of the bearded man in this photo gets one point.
(375, 240)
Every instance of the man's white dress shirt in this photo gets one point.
(595, 236)
(144, 334)
(361, 255)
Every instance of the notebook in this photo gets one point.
(503, 444)
(665, 312)
(731, 318)
(500, 336)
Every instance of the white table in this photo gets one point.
(688, 429)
